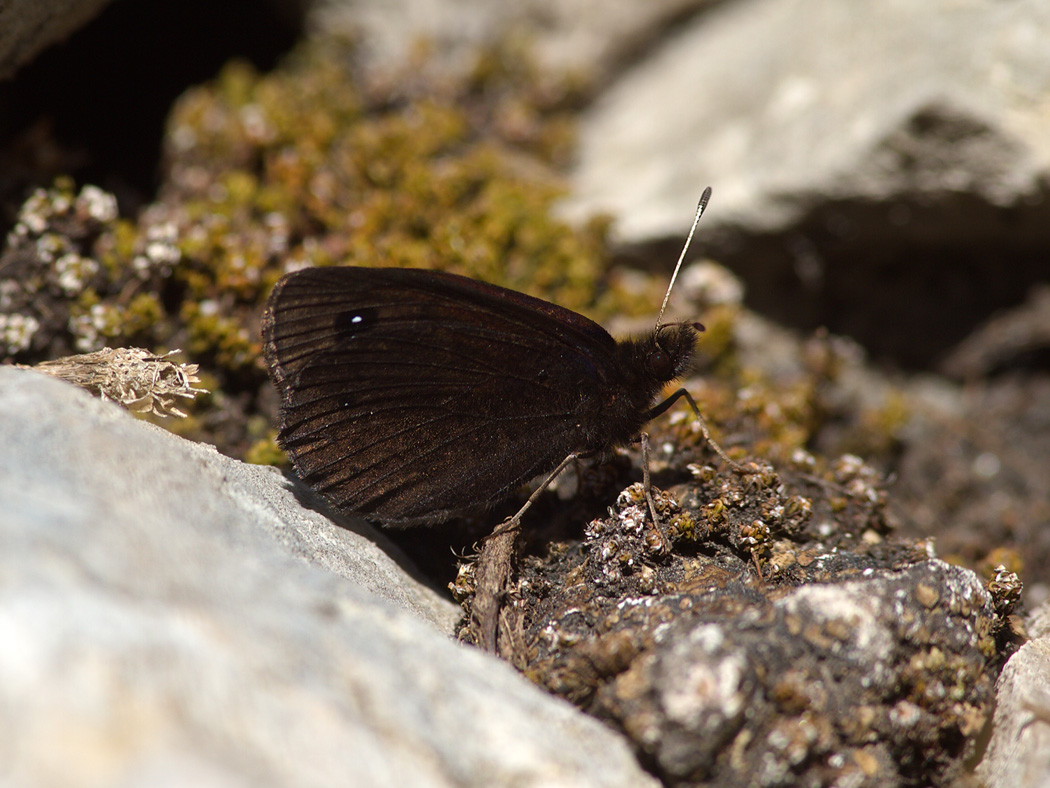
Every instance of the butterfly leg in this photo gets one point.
(513, 523)
(647, 486)
(493, 571)
(663, 406)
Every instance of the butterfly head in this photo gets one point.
(671, 350)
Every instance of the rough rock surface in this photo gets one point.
(854, 658)
(1018, 754)
(169, 616)
(856, 680)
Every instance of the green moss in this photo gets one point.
(117, 248)
(224, 339)
(143, 311)
(265, 451)
(426, 183)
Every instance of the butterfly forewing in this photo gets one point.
(410, 395)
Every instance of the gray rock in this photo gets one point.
(583, 36)
(1018, 754)
(27, 26)
(883, 672)
(783, 105)
(169, 616)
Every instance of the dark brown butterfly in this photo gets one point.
(409, 396)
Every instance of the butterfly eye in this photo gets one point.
(660, 365)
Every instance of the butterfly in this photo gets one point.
(409, 396)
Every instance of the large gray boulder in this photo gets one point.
(169, 616)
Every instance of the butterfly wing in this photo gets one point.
(410, 395)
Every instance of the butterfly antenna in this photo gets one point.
(701, 206)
